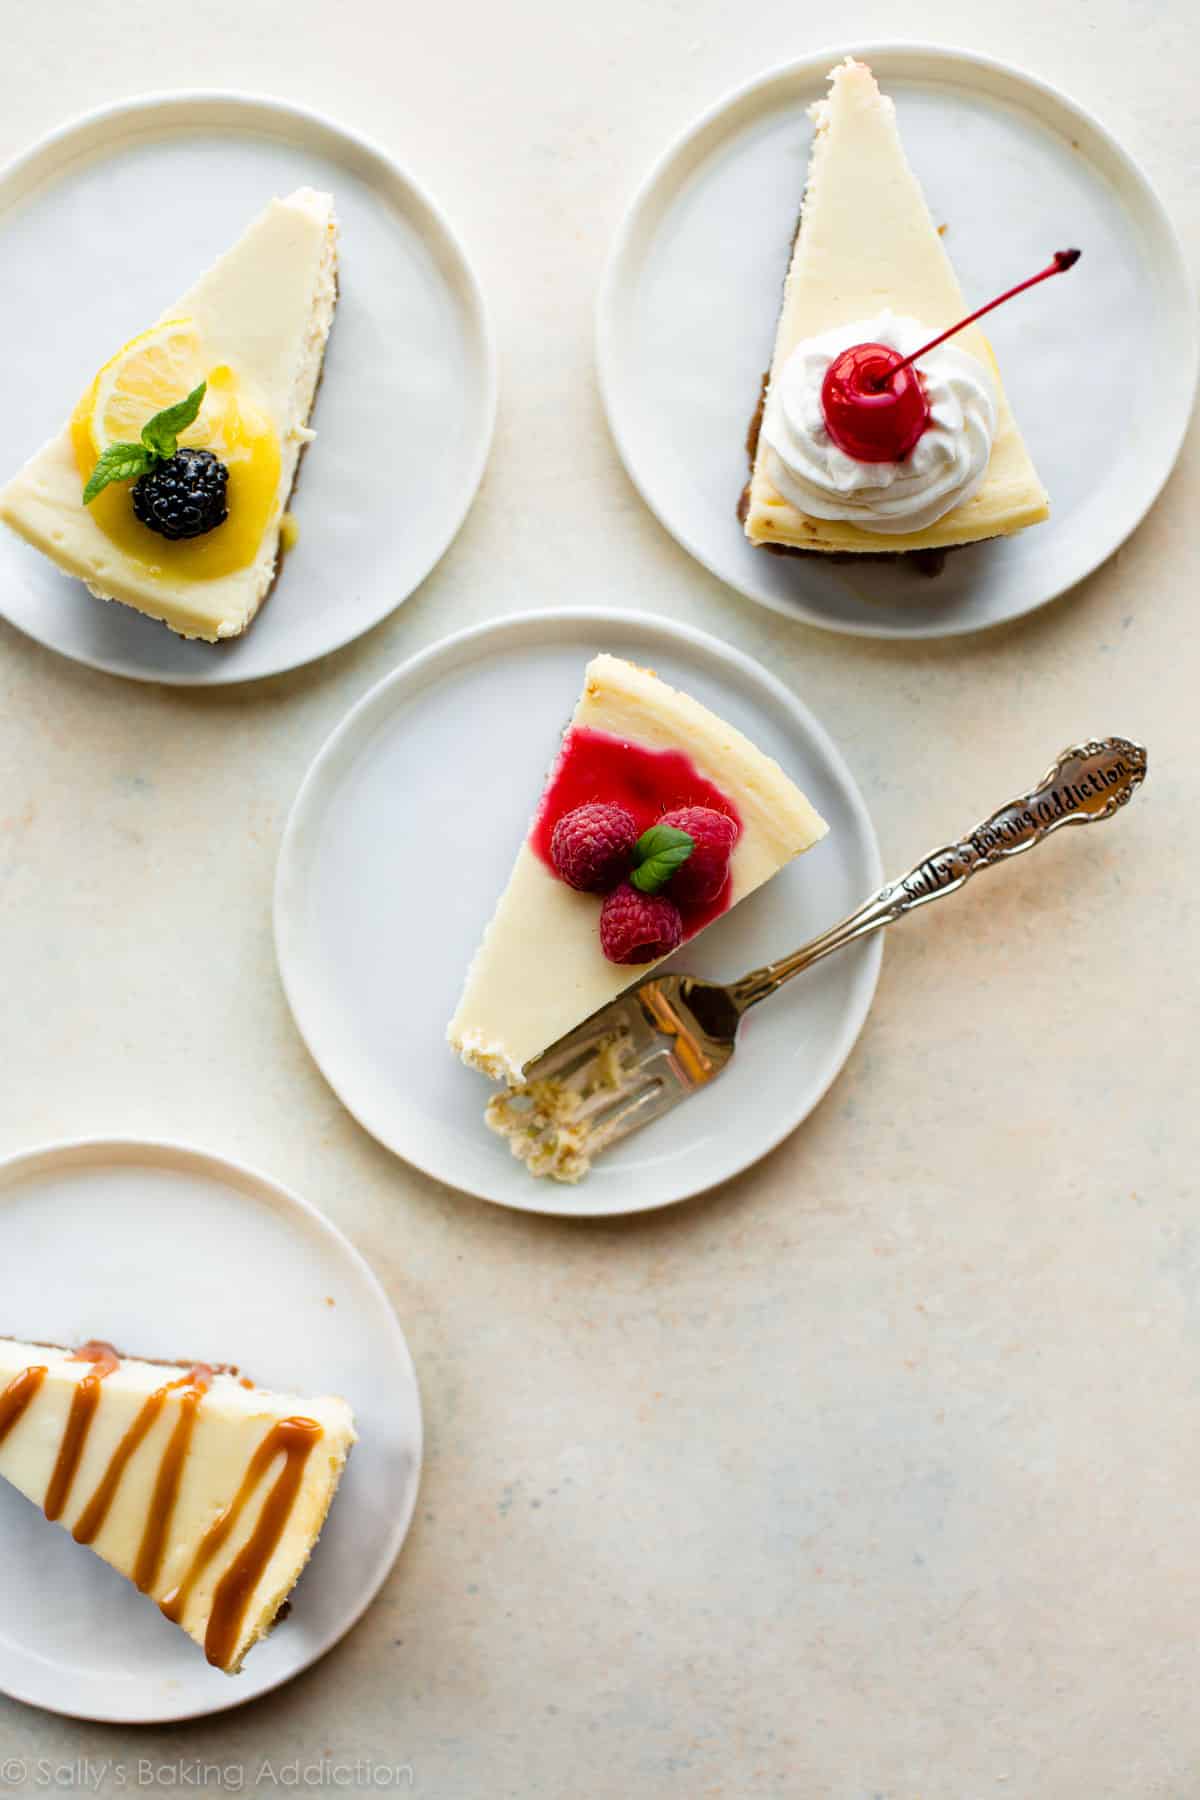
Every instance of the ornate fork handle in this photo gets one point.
(1087, 783)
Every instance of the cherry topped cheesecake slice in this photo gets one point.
(656, 819)
(875, 434)
(205, 1490)
(166, 488)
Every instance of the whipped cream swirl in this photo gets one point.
(943, 469)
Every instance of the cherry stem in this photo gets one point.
(1063, 260)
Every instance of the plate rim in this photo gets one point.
(53, 149)
(522, 625)
(622, 251)
(79, 1152)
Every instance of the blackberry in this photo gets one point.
(184, 496)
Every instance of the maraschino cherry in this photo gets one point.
(872, 413)
(872, 397)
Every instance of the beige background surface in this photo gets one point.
(875, 1473)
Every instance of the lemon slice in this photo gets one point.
(154, 371)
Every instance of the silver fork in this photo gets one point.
(640, 1056)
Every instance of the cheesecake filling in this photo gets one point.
(945, 467)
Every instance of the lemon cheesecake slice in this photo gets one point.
(248, 339)
(657, 817)
(869, 267)
(207, 1491)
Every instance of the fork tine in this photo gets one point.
(637, 1110)
(567, 1063)
(602, 1106)
(580, 1045)
(596, 1105)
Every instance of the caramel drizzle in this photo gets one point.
(92, 1518)
(295, 1439)
(84, 1402)
(166, 1484)
(16, 1397)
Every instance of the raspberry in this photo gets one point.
(592, 847)
(638, 928)
(703, 875)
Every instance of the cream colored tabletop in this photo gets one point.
(875, 1473)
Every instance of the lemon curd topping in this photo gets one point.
(235, 430)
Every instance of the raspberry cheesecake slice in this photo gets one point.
(207, 1491)
(657, 818)
(166, 488)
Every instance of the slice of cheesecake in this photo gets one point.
(541, 968)
(254, 329)
(205, 1490)
(867, 244)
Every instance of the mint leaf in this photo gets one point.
(160, 434)
(657, 854)
(120, 462)
(124, 462)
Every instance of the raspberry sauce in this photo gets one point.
(594, 765)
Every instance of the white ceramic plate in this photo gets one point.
(403, 835)
(1100, 367)
(104, 223)
(169, 1252)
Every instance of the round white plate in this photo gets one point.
(1100, 368)
(172, 1253)
(106, 222)
(403, 835)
